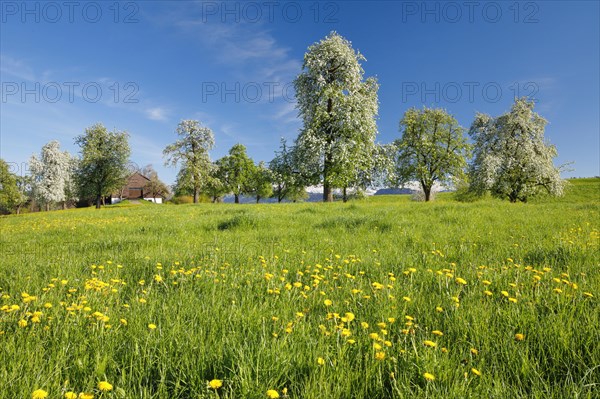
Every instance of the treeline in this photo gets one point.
(506, 155)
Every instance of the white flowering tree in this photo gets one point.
(71, 189)
(52, 175)
(191, 150)
(338, 110)
(433, 149)
(511, 158)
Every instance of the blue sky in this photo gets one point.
(142, 67)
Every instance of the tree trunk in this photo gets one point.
(427, 192)
(237, 198)
(64, 205)
(327, 193)
(18, 209)
(195, 195)
(98, 201)
(257, 199)
(47, 206)
(345, 195)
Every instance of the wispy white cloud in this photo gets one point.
(247, 50)
(156, 114)
(16, 68)
(287, 113)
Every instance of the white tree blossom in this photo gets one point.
(338, 109)
(512, 160)
(51, 172)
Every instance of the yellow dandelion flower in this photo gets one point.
(272, 394)
(474, 351)
(351, 341)
(364, 324)
(588, 294)
(39, 394)
(437, 332)
(349, 316)
(476, 372)
(215, 384)
(461, 281)
(519, 337)
(328, 302)
(429, 376)
(439, 309)
(152, 326)
(376, 346)
(105, 386)
(430, 344)
(70, 395)
(85, 395)
(379, 356)
(320, 361)
(22, 323)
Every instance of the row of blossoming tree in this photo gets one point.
(335, 148)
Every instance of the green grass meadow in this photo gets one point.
(374, 298)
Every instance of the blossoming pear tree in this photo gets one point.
(52, 174)
(338, 110)
(511, 158)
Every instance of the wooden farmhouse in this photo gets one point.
(134, 190)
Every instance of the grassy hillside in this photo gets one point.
(356, 300)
